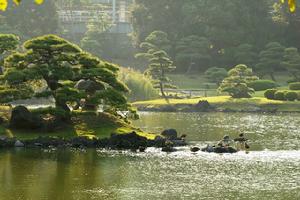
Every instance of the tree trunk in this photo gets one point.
(161, 87)
(272, 76)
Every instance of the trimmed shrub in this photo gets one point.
(294, 86)
(260, 85)
(291, 96)
(280, 95)
(270, 93)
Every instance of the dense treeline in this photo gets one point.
(201, 33)
(223, 32)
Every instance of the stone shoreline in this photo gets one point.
(130, 141)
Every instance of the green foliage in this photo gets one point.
(216, 74)
(245, 54)
(193, 51)
(61, 64)
(291, 62)
(9, 94)
(291, 96)
(270, 93)
(8, 42)
(58, 112)
(236, 82)
(294, 86)
(270, 59)
(159, 65)
(101, 42)
(260, 85)
(140, 86)
(155, 41)
(280, 95)
(215, 20)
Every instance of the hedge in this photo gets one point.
(270, 93)
(260, 85)
(280, 95)
(291, 96)
(294, 86)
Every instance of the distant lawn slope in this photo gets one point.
(223, 103)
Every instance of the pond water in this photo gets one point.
(270, 171)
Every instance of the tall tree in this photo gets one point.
(245, 54)
(291, 61)
(159, 65)
(216, 74)
(193, 51)
(270, 59)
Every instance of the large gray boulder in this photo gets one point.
(22, 118)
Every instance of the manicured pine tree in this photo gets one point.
(60, 65)
(236, 83)
(159, 65)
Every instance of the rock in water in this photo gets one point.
(195, 149)
(18, 143)
(170, 134)
(203, 106)
(168, 149)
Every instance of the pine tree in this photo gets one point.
(61, 65)
(159, 65)
(291, 61)
(270, 59)
(193, 51)
(236, 83)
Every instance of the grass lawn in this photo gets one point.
(226, 102)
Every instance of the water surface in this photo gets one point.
(270, 171)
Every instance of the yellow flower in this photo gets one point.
(39, 1)
(292, 4)
(3, 5)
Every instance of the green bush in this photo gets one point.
(270, 93)
(291, 96)
(280, 95)
(140, 86)
(260, 85)
(294, 86)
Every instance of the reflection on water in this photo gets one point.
(95, 174)
(265, 131)
(92, 174)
